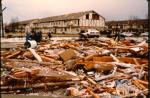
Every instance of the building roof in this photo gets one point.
(27, 21)
(137, 21)
(70, 16)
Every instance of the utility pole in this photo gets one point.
(1, 20)
(148, 47)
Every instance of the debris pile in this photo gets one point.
(100, 68)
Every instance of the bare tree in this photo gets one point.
(146, 16)
(133, 22)
(133, 17)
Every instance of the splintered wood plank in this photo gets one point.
(35, 54)
(68, 54)
(121, 59)
(38, 85)
(47, 59)
(90, 57)
(14, 54)
(103, 59)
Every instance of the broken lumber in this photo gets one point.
(91, 81)
(139, 85)
(143, 82)
(21, 74)
(28, 54)
(105, 77)
(38, 85)
(68, 54)
(89, 57)
(92, 93)
(121, 59)
(114, 58)
(35, 54)
(103, 67)
(47, 59)
(13, 55)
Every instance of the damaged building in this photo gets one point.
(68, 23)
(137, 25)
(20, 26)
(72, 23)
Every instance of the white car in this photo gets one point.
(145, 34)
(127, 34)
(91, 33)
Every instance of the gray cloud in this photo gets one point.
(110, 9)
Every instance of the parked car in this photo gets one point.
(91, 33)
(127, 34)
(145, 34)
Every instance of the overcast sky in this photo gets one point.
(110, 9)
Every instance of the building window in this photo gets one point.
(109, 26)
(87, 16)
(145, 26)
(141, 27)
(65, 29)
(75, 22)
(113, 27)
(77, 30)
(95, 16)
